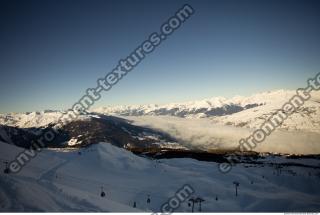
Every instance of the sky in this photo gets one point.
(52, 51)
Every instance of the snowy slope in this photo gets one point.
(63, 180)
(35, 188)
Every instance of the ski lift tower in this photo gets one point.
(192, 200)
(199, 200)
(236, 184)
(7, 169)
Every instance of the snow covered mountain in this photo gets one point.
(217, 106)
(30, 119)
(248, 112)
(306, 118)
(211, 124)
(238, 111)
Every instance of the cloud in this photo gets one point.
(205, 134)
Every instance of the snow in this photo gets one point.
(70, 180)
(66, 181)
(299, 134)
(27, 120)
(306, 119)
(211, 103)
(36, 119)
(73, 142)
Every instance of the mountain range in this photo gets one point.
(209, 124)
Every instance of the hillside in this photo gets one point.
(64, 180)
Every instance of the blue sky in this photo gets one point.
(52, 51)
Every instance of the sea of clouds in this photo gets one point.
(207, 135)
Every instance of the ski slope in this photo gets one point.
(71, 180)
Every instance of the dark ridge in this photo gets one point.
(117, 131)
(244, 158)
(25, 137)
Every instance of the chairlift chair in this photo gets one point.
(103, 194)
(6, 170)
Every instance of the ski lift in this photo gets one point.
(236, 184)
(6, 170)
(193, 200)
(103, 194)
(199, 200)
